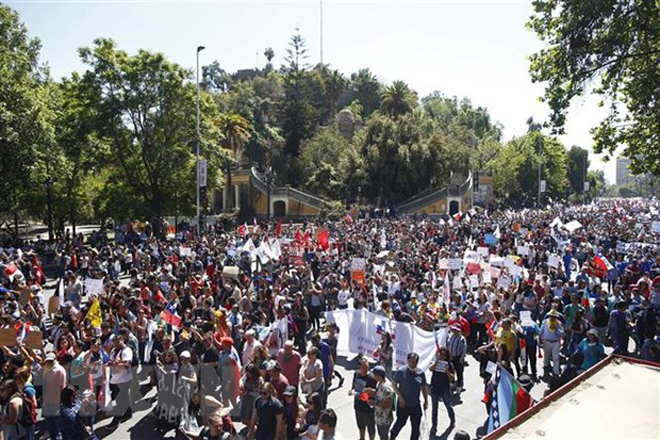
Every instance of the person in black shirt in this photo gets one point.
(209, 366)
(364, 410)
(267, 421)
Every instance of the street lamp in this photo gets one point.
(48, 183)
(268, 175)
(199, 220)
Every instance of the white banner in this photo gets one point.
(362, 336)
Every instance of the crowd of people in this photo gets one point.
(229, 327)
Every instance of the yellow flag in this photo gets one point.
(94, 314)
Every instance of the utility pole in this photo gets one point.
(199, 49)
(321, 8)
(538, 202)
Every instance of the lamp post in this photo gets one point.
(269, 182)
(199, 219)
(48, 183)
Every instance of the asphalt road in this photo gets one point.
(470, 411)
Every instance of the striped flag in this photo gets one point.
(170, 316)
(508, 399)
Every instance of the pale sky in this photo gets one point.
(476, 49)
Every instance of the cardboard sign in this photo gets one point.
(7, 337)
(24, 296)
(34, 340)
(53, 304)
(553, 261)
(93, 286)
(454, 264)
(230, 272)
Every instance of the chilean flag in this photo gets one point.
(602, 263)
(170, 316)
(457, 216)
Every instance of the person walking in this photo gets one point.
(457, 348)
(441, 380)
(383, 402)
(363, 380)
(409, 383)
(550, 339)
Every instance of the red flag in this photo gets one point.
(242, 229)
(348, 218)
(306, 236)
(10, 269)
(298, 236)
(323, 240)
(278, 229)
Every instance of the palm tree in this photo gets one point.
(335, 83)
(366, 89)
(269, 53)
(398, 99)
(236, 132)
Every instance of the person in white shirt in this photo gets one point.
(120, 379)
(249, 346)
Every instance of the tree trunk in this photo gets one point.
(15, 225)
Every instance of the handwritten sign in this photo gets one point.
(483, 251)
(93, 286)
(443, 263)
(454, 264)
(185, 251)
(504, 282)
(230, 272)
(553, 261)
(523, 250)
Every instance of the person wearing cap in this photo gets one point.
(592, 349)
(383, 397)
(188, 377)
(54, 381)
(550, 336)
(291, 412)
(457, 347)
(229, 368)
(363, 380)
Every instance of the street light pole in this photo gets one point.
(199, 49)
(538, 202)
(49, 201)
(321, 8)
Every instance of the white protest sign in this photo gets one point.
(185, 251)
(443, 263)
(457, 283)
(497, 261)
(516, 271)
(474, 281)
(454, 264)
(495, 272)
(526, 317)
(523, 250)
(553, 261)
(358, 264)
(655, 226)
(487, 278)
(483, 251)
(504, 282)
(93, 286)
(572, 226)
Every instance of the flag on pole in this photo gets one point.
(348, 218)
(446, 290)
(170, 316)
(94, 314)
(508, 399)
(324, 240)
(602, 263)
(278, 229)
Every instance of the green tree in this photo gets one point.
(366, 88)
(610, 48)
(398, 99)
(25, 119)
(215, 78)
(321, 163)
(515, 169)
(578, 164)
(144, 105)
(296, 113)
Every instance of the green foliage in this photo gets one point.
(366, 89)
(321, 161)
(143, 105)
(578, 164)
(398, 99)
(610, 48)
(516, 165)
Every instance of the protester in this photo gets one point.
(409, 382)
(441, 379)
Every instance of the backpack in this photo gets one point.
(29, 413)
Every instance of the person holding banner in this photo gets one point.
(409, 382)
